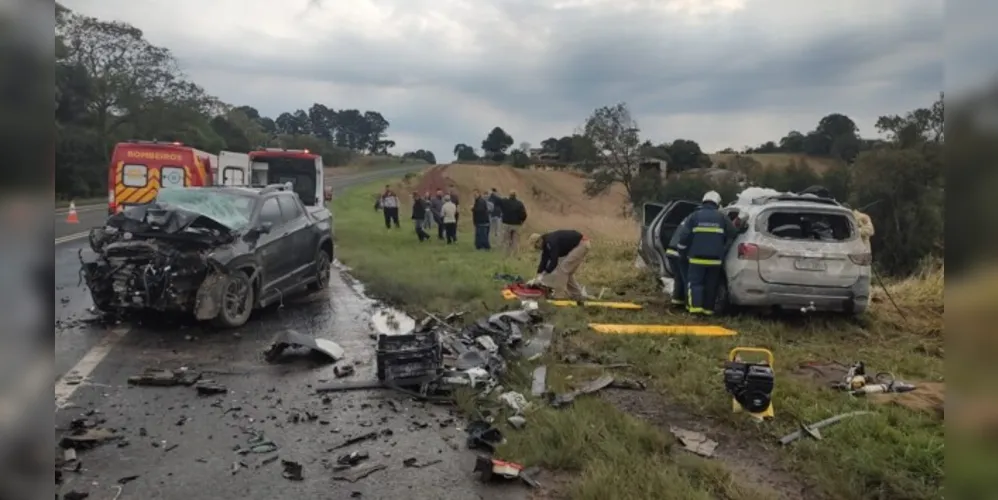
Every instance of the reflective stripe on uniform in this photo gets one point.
(695, 310)
(670, 251)
(681, 246)
(707, 229)
(706, 262)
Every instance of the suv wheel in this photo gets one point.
(323, 268)
(237, 301)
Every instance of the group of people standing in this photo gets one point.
(493, 216)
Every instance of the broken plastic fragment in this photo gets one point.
(292, 470)
(291, 338)
(359, 473)
(694, 441)
(538, 385)
(514, 400)
(164, 378)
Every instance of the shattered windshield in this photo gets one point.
(231, 210)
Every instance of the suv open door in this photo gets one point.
(659, 223)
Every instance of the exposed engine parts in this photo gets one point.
(152, 259)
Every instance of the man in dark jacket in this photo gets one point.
(419, 208)
(705, 239)
(436, 206)
(495, 213)
(480, 218)
(562, 252)
(514, 214)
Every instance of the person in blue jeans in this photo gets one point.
(480, 218)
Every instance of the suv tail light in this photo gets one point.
(861, 259)
(751, 251)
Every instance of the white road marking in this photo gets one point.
(73, 379)
(82, 208)
(71, 237)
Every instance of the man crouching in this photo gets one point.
(562, 252)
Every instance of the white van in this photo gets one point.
(233, 169)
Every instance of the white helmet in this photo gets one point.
(713, 197)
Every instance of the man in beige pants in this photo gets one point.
(562, 252)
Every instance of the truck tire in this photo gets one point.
(237, 301)
(323, 268)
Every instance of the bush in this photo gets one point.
(901, 190)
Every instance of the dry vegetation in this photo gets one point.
(617, 446)
(553, 199)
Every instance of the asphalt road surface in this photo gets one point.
(171, 443)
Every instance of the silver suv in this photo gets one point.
(793, 251)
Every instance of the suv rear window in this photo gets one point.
(814, 226)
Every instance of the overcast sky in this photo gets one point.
(721, 72)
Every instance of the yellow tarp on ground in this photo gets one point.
(698, 330)
(597, 303)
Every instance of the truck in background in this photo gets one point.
(234, 168)
(299, 167)
(139, 169)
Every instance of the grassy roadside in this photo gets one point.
(896, 453)
(370, 164)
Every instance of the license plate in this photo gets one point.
(810, 264)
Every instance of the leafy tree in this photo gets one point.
(520, 158)
(793, 142)
(915, 127)
(686, 154)
(901, 191)
(496, 143)
(421, 154)
(464, 152)
(613, 134)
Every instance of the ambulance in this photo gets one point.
(299, 167)
(139, 169)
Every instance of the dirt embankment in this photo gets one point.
(554, 200)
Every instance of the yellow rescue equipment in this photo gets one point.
(696, 330)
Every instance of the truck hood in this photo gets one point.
(163, 221)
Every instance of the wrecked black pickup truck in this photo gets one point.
(216, 252)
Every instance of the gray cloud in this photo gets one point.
(538, 70)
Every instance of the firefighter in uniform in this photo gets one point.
(676, 253)
(705, 236)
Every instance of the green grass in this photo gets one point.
(896, 453)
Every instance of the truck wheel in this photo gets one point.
(323, 268)
(237, 301)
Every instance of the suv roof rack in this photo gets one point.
(809, 198)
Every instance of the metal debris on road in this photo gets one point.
(353, 458)
(343, 370)
(514, 400)
(354, 475)
(75, 495)
(357, 439)
(292, 471)
(517, 421)
(415, 463)
(87, 438)
(813, 430)
(538, 384)
(695, 442)
(566, 399)
(165, 378)
(483, 436)
(210, 388)
(291, 339)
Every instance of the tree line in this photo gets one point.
(898, 181)
(113, 85)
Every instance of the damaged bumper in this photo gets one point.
(151, 274)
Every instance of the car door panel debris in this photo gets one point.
(291, 339)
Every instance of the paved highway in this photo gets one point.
(173, 443)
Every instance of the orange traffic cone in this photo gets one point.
(72, 218)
